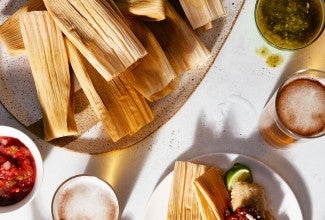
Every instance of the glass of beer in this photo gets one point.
(85, 197)
(296, 111)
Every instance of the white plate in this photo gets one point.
(281, 200)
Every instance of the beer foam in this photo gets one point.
(301, 107)
(85, 198)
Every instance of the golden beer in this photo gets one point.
(296, 111)
(85, 197)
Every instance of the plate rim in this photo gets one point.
(227, 155)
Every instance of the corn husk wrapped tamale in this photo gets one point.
(47, 55)
(120, 108)
(144, 9)
(182, 201)
(154, 72)
(10, 34)
(201, 13)
(170, 88)
(182, 46)
(99, 32)
(212, 194)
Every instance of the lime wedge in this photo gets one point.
(238, 173)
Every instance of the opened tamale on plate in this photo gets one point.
(212, 194)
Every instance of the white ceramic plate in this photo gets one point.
(281, 200)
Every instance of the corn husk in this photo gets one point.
(144, 9)
(182, 201)
(10, 34)
(201, 13)
(170, 88)
(119, 107)
(46, 52)
(99, 32)
(182, 46)
(153, 75)
(204, 28)
(212, 194)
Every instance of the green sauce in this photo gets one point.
(272, 60)
(289, 24)
(263, 51)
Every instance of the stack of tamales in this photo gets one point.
(123, 53)
(198, 192)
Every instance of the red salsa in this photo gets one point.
(244, 213)
(17, 171)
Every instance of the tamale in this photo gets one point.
(165, 91)
(10, 34)
(153, 73)
(182, 46)
(182, 201)
(99, 32)
(245, 194)
(120, 108)
(204, 28)
(47, 55)
(212, 194)
(201, 13)
(144, 9)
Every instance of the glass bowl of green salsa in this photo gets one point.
(290, 24)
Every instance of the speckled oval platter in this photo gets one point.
(18, 94)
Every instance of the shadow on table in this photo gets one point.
(120, 169)
(207, 142)
(311, 57)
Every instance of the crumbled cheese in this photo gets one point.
(6, 165)
(250, 217)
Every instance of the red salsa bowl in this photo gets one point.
(20, 169)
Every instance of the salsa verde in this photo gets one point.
(289, 24)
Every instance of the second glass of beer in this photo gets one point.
(296, 111)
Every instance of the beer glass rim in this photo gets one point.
(289, 78)
(81, 176)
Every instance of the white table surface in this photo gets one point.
(220, 116)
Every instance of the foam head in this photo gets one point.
(300, 106)
(85, 197)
